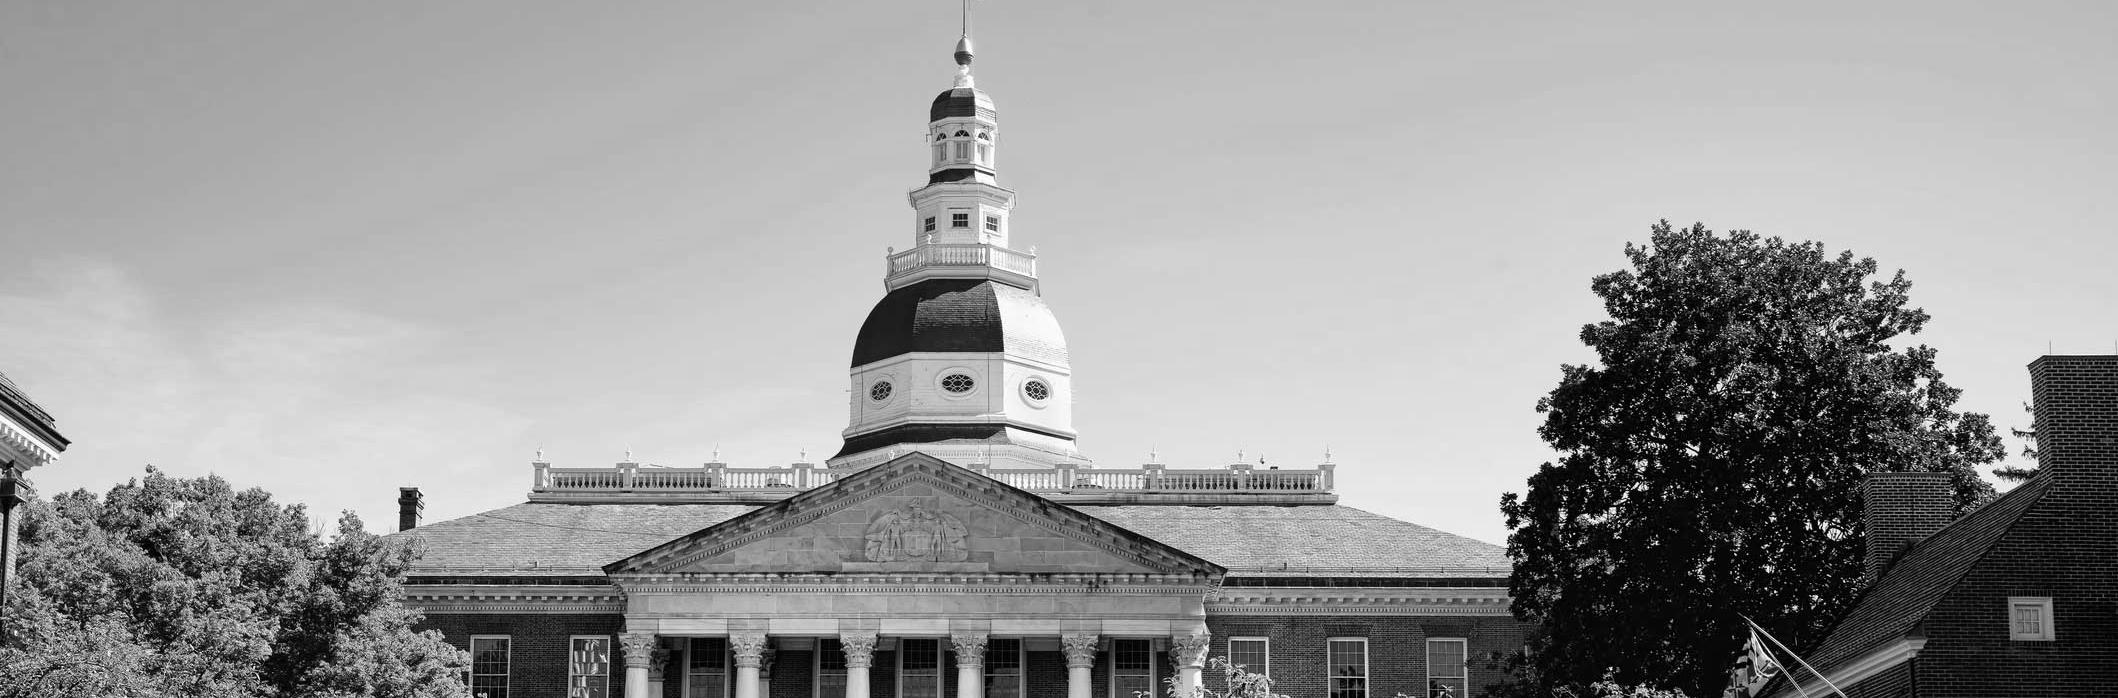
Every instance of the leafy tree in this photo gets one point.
(1710, 460)
(1237, 681)
(186, 587)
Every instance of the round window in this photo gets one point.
(1036, 390)
(880, 391)
(958, 383)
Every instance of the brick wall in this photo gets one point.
(1397, 649)
(1900, 508)
(538, 646)
(2065, 547)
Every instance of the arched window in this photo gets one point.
(963, 134)
(983, 136)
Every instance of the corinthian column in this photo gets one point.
(1080, 658)
(970, 664)
(749, 651)
(639, 654)
(1188, 653)
(860, 654)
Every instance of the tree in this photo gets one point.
(1709, 462)
(2018, 473)
(186, 587)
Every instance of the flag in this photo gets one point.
(1755, 667)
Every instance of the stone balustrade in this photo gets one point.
(1078, 484)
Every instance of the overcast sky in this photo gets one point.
(331, 249)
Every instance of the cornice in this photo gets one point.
(33, 448)
(1862, 667)
(912, 583)
(524, 598)
(1372, 601)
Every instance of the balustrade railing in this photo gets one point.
(718, 477)
(963, 255)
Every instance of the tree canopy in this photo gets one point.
(1709, 460)
(185, 587)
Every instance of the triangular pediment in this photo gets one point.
(915, 514)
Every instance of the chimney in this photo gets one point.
(1902, 508)
(409, 505)
(2076, 398)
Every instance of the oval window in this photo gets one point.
(1036, 391)
(958, 383)
(880, 391)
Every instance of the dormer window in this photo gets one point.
(959, 220)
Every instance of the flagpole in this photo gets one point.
(1797, 658)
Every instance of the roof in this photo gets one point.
(16, 404)
(1895, 605)
(1330, 540)
(559, 539)
(959, 101)
(960, 315)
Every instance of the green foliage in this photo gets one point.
(185, 587)
(1709, 463)
(1236, 682)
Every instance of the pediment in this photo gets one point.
(915, 514)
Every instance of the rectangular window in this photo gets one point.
(940, 153)
(706, 668)
(959, 220)
(985, 153)
(930, 224)
(1003, 668)
(918, 668)
(2030, 618)
(489, 665)
(588, 667)
(1446, 674)
(963, 151)
(1254, 654)
(992, 224)
(1348, 658)
(830, 668)
(1132, 668)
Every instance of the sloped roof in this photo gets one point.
(15, 402)
(559, 539)
(1328, 540)
(1895, 605)
(960, 315)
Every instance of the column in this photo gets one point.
(749, 650)
(1188, 653)
(1080, 658)
(860, 654)
(970, 664)
(639, 653)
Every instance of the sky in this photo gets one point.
(332, 249)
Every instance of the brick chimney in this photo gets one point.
(1902, 508)
(409, 506)
(2076, 398)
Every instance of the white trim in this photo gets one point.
(610, 661)
(1864, 666)
(507, 679)
(1365, 667)
(1465, 667)
(1023, 387)
(1266, 670)
(2043, 604)
(1370, 601)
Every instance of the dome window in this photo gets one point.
(880, 391)
(1036, 390)
(958, 383)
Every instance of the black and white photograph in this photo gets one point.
(1032, 349)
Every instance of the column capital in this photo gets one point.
(1189, 650)
(639, 649)
(859, 648)
(1080, 649)
(749, 649)
(970, 648)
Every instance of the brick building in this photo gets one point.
(2017, 598)
(958, 545)
(28, 438)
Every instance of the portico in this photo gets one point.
(920, 554)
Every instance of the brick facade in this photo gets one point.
(1396, 654)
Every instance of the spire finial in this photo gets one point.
(963, 50)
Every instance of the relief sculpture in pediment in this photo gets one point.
(913, 533)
